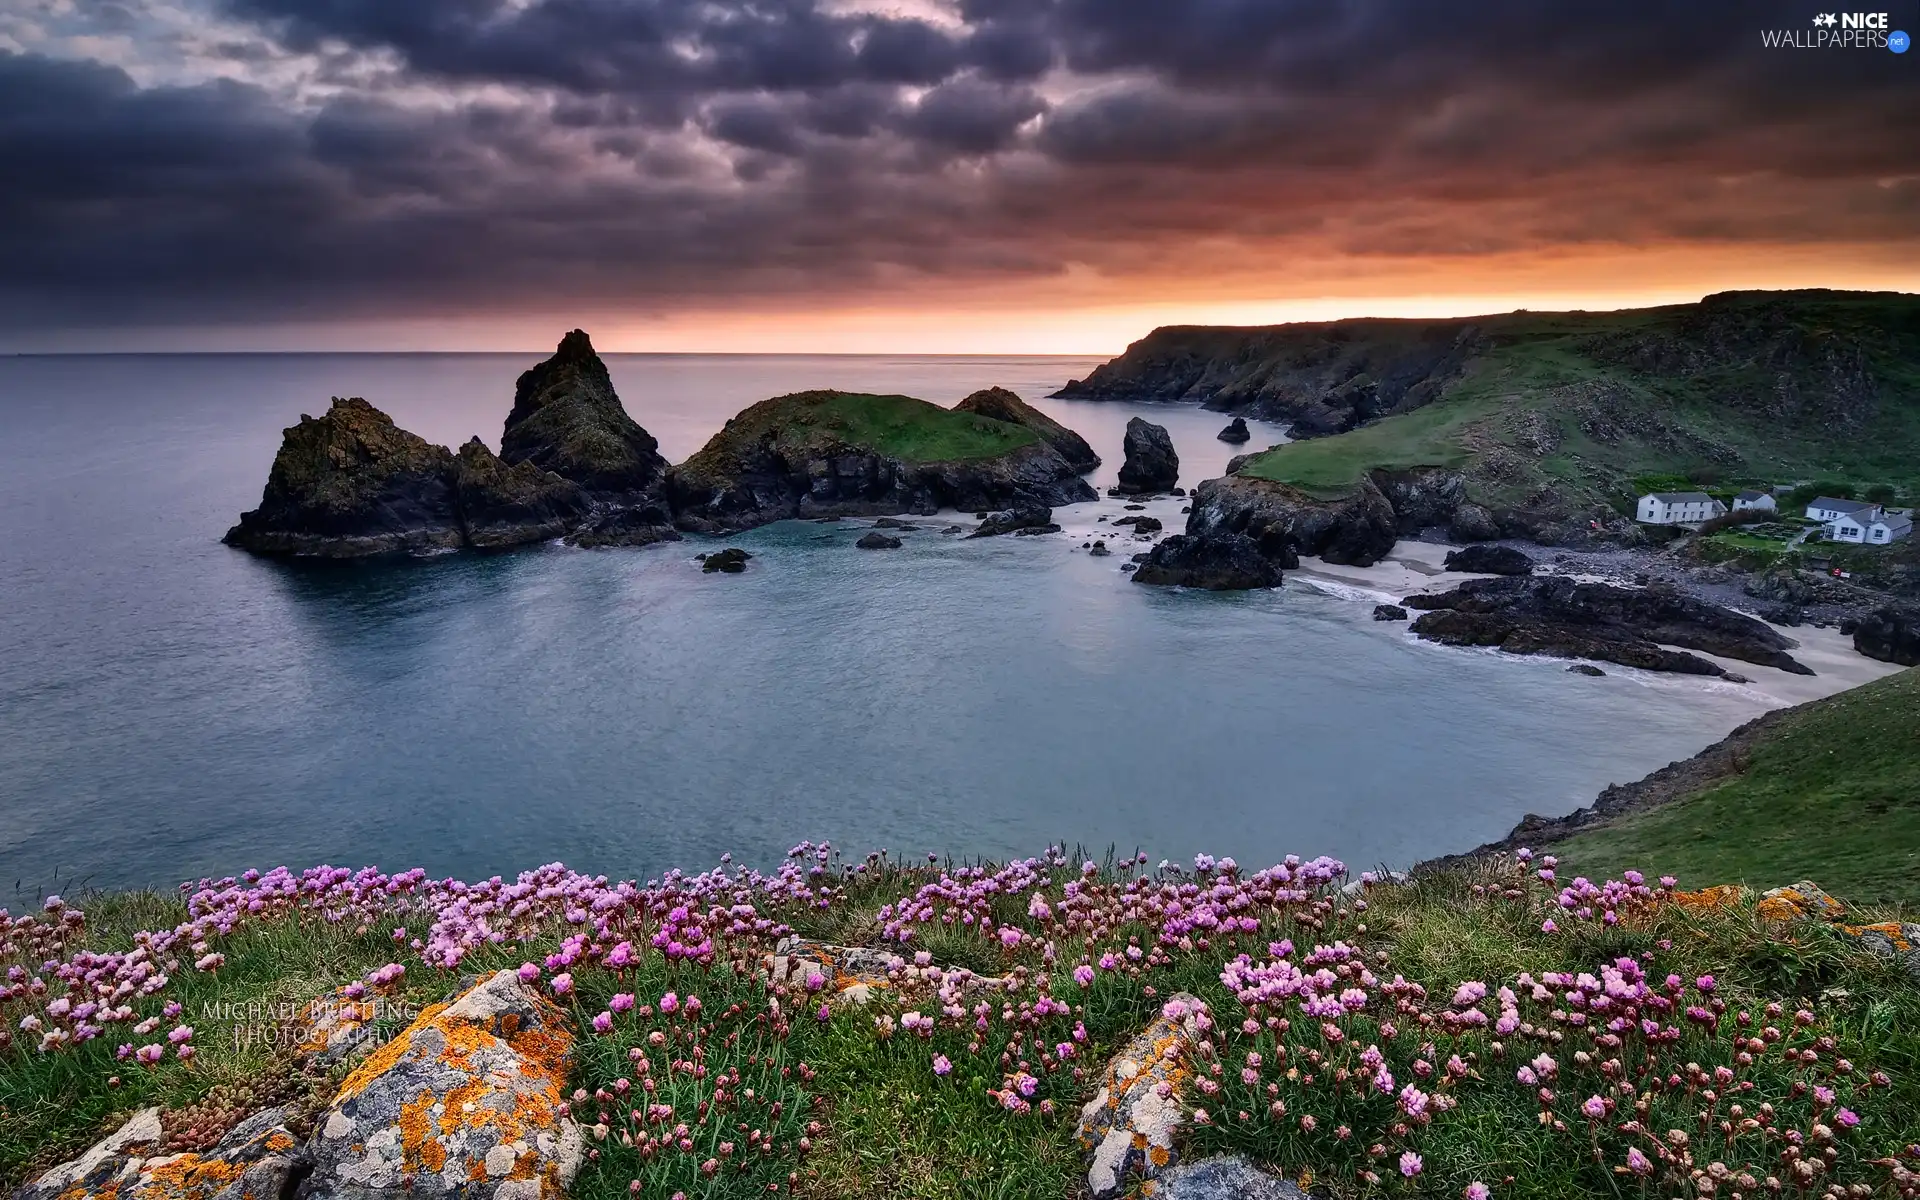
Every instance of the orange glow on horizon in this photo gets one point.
(1083, 314)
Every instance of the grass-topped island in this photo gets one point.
(829, 453)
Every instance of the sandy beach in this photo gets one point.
(1415, 567)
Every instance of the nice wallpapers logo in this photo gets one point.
(1840, 31)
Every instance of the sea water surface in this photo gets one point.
(171, 708)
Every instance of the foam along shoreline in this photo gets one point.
(1414, 567)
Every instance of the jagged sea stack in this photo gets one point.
(511, 505)
(1151, 464)
(351, 484)
(1002, 405)
(567, 419)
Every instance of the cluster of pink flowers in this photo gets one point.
(1329, 1045)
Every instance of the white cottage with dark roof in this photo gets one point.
(1678, 508)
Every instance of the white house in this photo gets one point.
(1754, 502)
(1678, 508)
(1826, 508)
(1870, 531)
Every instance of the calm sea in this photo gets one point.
(171, 708)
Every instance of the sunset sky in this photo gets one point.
(1042, 176)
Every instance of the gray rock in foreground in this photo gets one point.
(1226, 1177)
(500, 1050)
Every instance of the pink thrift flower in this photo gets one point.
(1847, 1118)
(1477, 1191)
(1083, 975)
(621, 1002)
(603, 1022)
(562, 984)
(942, 1065)
(1637, 1162)
(529, 972)
(1410, 1164)
(669, 1003)
(1594, 1107)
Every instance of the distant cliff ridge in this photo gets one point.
(1806, 354)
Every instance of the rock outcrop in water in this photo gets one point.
(1631, 626)
(511, 505)
(350, 484)
(1002, 405)
(1236, 432)
(816, 454)
(1151, 464)
(1221, 563)
(567, 419)
(1357, 530)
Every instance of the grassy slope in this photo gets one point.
(895, 426)
(1542, 371)
(1833, 795)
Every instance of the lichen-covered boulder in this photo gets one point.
(1803, 901)
(338, 1026)
(853, 975)
(1898, 940)
(1720, 898)
(1128, 1127)
(256, 1160)
(842, 974)
(467, 1102)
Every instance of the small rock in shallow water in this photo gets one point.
(890, 523)
(1585, 669)
(878, 541)
(732, 560)
(1100, 550)
(1015, 519)
(1135, 507)
(1034, 530)
(1389, 612)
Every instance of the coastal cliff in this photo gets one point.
(1554, 421)
(826, 453)
(1323, 377)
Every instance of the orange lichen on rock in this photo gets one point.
(1723, 898)
(1803, 901)
(382, 1060)
(479, 1078)
(1893, 931)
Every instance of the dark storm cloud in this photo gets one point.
(480, 153)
